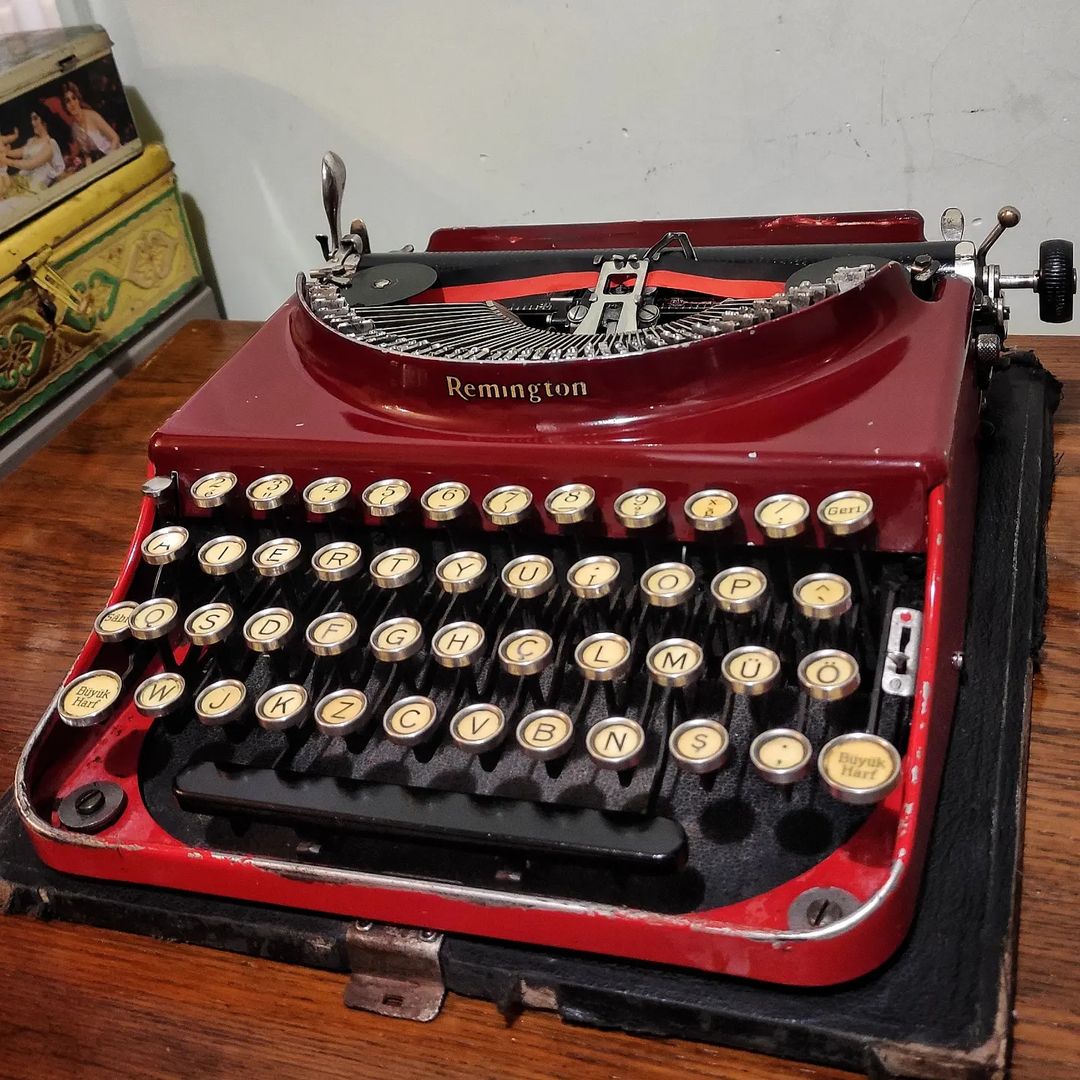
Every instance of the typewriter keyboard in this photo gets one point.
(383, 683)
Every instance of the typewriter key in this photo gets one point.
(507, 505)
(528, 576)
(570, 503)
(603, 657)
(331, 634)
(222, 555)
(166, 545)
(282, 707)
(640, 507)
(209, 624)
(462, 572)
(478, 728)
(859, 768)
(751, 670)
(221, 702)
(525, 652)
(782, 516)
(546, 734)
(114, 622)
(593, 577)
(668, 584)
(327, 495)
(338, 561)
(457, 644)
(411, 721)
(396, 639)
(154, 619)
(711, 510)
(342, 712)
(616, 743)
(160, 694)
(269, 630)
(846, 512)
(385, 498)
(212, 490)
(700, 746)
(822, 596)
(675, 662)
(277, 557)
(395, 567)
(739, 590)
(90, 698)
(782, 755)
(269, 492)
(445, 501)
(829, 674)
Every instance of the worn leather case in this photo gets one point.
(939, 1008)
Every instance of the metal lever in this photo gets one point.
(1008, 217)
(333, 188)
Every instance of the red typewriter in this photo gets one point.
(600, 587)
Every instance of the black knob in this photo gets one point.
(1057, 281)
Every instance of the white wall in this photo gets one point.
(496, 111)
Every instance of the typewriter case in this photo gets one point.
(872, 389)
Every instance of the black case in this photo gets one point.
(939, 1008)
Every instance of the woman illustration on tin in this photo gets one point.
(39, 157)
(89, 129)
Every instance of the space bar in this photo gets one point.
(656, 843)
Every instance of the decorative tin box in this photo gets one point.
(88, 275)
(64, 119)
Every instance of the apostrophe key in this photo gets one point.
(510, 504)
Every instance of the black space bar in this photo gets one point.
(656, 843)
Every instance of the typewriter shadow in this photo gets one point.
(805, 832)
(727, 821)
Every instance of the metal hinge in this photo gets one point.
(395, 971)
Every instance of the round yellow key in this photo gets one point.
(616, 743)
(445, 501)
(341, 712)
(640, 508)
(782, 516)
(593, 577)
(739, 590)
(282, 707)
(269, 492)
(411, 721)
(829, 674)
(212, 490)
(822, 596)
(711, 510)
(327, 495)
(386, 498)
(160, 694)
(221, 702)
(782, 755)
(90, 698)
(546, 734)
(570, 503)
(462, 572)
(396, 639)
(846, 512)
(507, 505)
(478, 728)
(859, 767)
(700, 746)
(332, 633)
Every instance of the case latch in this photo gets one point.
(395, 971)
(50, 285)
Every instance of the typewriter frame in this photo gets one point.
(749, 938)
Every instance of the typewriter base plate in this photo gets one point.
(942, 1002)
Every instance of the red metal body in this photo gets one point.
(870, 390)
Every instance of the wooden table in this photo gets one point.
(83, 1002)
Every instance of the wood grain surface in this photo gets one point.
(82, 1002)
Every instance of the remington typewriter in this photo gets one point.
(599, 587)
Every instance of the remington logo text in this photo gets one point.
(533, 391)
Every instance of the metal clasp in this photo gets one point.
(395, 971)
(48, 282)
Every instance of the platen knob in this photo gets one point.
(1057, 281)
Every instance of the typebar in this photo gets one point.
(655, 843)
